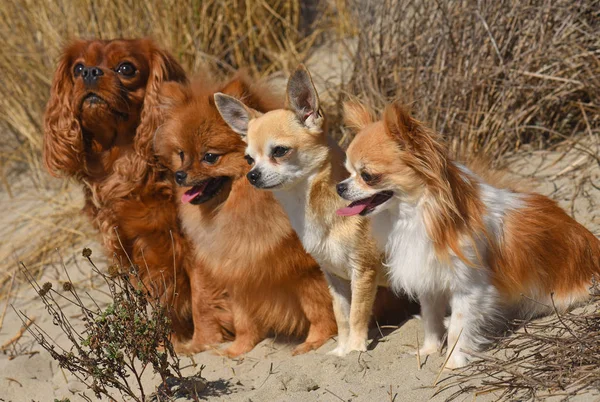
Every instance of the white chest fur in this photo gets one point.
(315, 233)
(410, 258)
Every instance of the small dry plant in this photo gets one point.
(557, 357)
(119, 342)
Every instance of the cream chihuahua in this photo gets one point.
(294, 158)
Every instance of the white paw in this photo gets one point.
(429, 348)
(340, 351)
(457, 360)
(358, 345)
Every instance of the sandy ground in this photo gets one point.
(387, 372)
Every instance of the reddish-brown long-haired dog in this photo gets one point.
(99, 126)
(241, 234)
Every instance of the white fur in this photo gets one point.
(468, 291)
(333, 256)
(337, 258)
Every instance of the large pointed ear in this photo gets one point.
(302, 98)
(235, 113)
(400, 125)
(423, 143)
(356, 115)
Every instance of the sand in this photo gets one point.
(387, 372)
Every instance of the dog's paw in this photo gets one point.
(339, 351)
(429, 349)
(235, 350)
(189, 348)
(457, 360)
(356, 345)
(306, 347)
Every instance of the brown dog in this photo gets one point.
(99, 125)
(242, 235)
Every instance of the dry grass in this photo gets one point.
(491, 75)
(557, 358)
(264, 36)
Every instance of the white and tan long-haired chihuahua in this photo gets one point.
(294, 158)
(453, 240)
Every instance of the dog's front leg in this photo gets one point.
(433, 310)
(364, 289)
(341, 293)
(247, 333)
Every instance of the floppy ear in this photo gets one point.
(163, 67)
(356, 115)
(235, 113)
(63, 142)
(303, 99)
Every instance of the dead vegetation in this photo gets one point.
(493, 77)
(490, 75)
(557, 357)
(117, 343)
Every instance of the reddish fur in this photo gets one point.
(112, 157)
(543, 250)
(242, 235)
(455, 210)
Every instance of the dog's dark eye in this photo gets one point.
(126, 69)
(249, 159)
(181, 156)
(78, 69)
(210, 158)
(278, 152)
(366, 177)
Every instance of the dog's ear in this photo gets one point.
(422, 143)
(235, 113)
(63, 143)
(171, 94)
(400, 125)
(302, 99)
(356, 115)
(163, 68)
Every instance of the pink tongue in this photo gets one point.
(355, 208)
(193, 192)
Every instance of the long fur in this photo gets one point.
(453, 240)
(242, 235)
(303, 180)
(107, 147)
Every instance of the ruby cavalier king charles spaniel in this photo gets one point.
(99, 126)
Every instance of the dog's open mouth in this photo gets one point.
(366, 205)
(204, 191)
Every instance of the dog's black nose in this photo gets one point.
(180, 176)
(341, 188)
(253, 176)
(90, 76)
